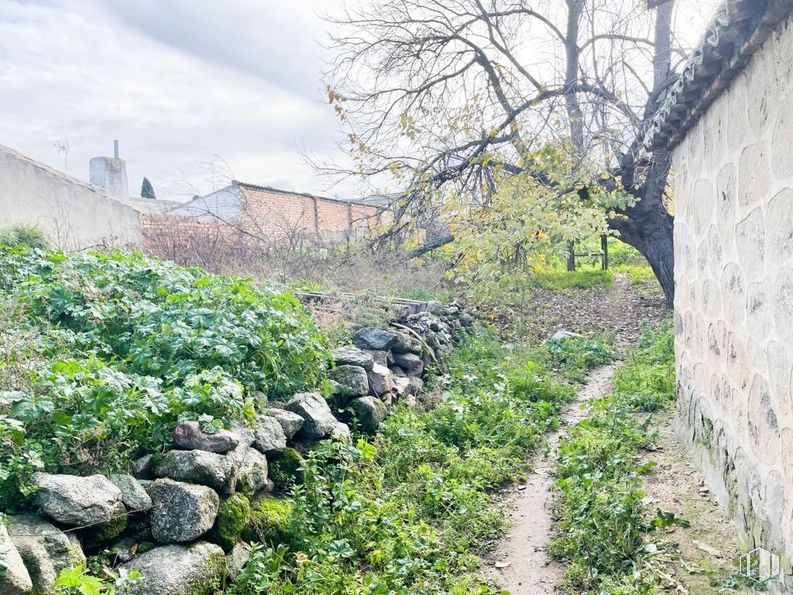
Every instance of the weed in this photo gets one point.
(575, 356)
(22, 235)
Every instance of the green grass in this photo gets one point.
(638, 273)
(21, 235)
(408, 512)
(561, 280)
(575, 356)
(603, 524)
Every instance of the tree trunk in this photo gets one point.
(649, 227)
(660, 253)
(651, 233)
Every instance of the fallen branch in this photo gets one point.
(429, 246)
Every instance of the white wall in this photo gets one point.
(734, 295)
(70, 212)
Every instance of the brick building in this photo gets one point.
(244, 213)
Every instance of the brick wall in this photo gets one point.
(275, 214)
(267, 216)
(173, 235)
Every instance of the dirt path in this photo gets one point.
(623, 308)
(520, 563)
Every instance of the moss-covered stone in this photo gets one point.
(287, 469)
(270, 519)
(234, 515)
(195, 569)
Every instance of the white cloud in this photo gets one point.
(179, 83)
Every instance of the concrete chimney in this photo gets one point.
(110, 173)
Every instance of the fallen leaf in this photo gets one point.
(707, 549)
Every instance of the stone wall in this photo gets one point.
(70, 212)
(734, 302)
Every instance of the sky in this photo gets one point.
(198, 92)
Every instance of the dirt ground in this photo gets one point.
(624, 309)
(697, 559)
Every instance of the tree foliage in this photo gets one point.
(448, 96)
(523, 220)
(146, 189)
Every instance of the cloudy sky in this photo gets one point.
(196, 90)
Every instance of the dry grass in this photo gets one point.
(308, 263)
(18, 355)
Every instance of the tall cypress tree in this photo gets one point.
(147, 190)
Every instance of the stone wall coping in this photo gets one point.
(738, 30)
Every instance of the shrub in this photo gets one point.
(162, 320)
(125, 347)
(23, 236)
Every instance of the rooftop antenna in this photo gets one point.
(115, 148)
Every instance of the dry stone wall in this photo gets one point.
(734, 297)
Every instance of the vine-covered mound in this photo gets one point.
(103, 354)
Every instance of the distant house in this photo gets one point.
(249, 213)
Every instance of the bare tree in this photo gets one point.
(453, 93)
